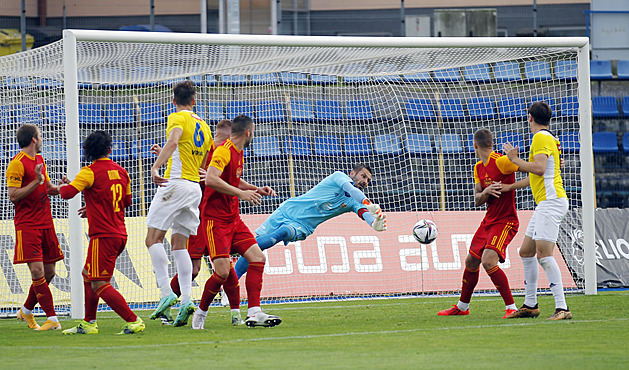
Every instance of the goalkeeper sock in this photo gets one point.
(232, 289)
(531, 272)
(501, 283)
(553, 274)
(116, 301)
(212, 286)
(159, 259)
(254, 283)
(470, 279)
(184, 270)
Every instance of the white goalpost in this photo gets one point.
(404, 106)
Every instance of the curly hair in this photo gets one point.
(97, 145)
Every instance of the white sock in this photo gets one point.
(235, 310)
(531, 273)
(159, 259)
(553, 274)
(201, 312)
(26, 311)
(512, 306)
(463, 306)
(184, 269)
(253, 310)
(53, 318)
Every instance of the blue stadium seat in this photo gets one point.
(625, 106)
(28, 113)
(323, 79)
(151, 113)
(418, 144)
(358, 73)
(55, 114)
(452, 109)
(420, 109)
(293, 78)
(359, 110)
(357, 145)
(5, 114)
(211, 111)
(169, 108)
(327, 146)
(569, 106)
(447, 75)
(298, 146)
(622, 69)
(120, 113)
(144, 150)
(600, 70)
(507, 71)
(566, 69)
(415, 76)
(604, 106)
(387, 144)
(118, 150)
(450, 143)
(386, 68)
(537, 71)
(514, 138)
(477, 73)
(265, 79)
(83, 75)
(266, 146)
(205, 80)
(481, 108)
(512, 108)
(550, 101)
(238, 107)
(470, 143)
(604, 142)
(91, 113)
(233, 80)
(301, 111)
(328, 110)
(48, 83)
(625, 142)
(114, 76)
(53, 150)
(12, 148)
(569, 142)
(21, 83)
(270, 111)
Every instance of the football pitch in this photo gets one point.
(387, 333)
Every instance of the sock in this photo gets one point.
(232, 289)
(463, 306)
(531, 272)
(159, 259)
(212, 287)
(184, 270)
(253, 283)
(26, 311)
(116, 301)
(174, 285)
(91, 301)
(470, 279)
(31, 301)
(501, 283)
(553, 274)
(44, 297)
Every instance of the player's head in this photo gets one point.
(97, 145)
(25, 135)
(243, 126)
(483, 139)
(541, 113)
(223, 130)
(184, 93)
(361, 175)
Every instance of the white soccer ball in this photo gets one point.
(425, 231)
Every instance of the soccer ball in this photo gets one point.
(425, 231)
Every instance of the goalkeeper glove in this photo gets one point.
(374, 209)
(380, 223)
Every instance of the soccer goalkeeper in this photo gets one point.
(297, 218)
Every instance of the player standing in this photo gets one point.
(296, 218)
(107, 190)
(36, 242)
(225, 230)
(541, 234)
(176, 201)
(498, 228)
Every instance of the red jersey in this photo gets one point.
(107, 190)
(32, 212)
(497, 169)
(219, 206)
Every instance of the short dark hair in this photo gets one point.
(240, 124)
(97, 145)
(484, 138)
(25, 135)
(360, 166)
(541, 113)
(184, 92)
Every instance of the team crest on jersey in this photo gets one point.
(239, 172)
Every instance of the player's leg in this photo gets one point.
(231, 287)
(490, 261)
(159, 260)
(469, 281)
(51, 253)
(222, 266)
(531, 274)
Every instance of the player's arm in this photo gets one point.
(15, 174)
(164, 154)
(213, 180)
(361, 198)
(84, 179)
(522, 183)
(481, 196)
(537, 167)
(265, 190)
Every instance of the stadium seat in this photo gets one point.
(604, 142)
(5, 114)
(91, 113)
(298, 146)
(233, 80)
(550, 101)
(357, 145)
(507, 71)
(420, 109)
(569, 106)
(415, 76)
(481, 108)
(327, 146)
(477, 73)
(265, 79)
(211, 111)
(28, 113)
(625, 142)
(301, 111)
(452, 109)
(387, 144)
(358, 73)
(83, 75)
(114, 76)
(570, 142)
(605, 106)
(292, 78)
(53, 150)
(21, 83)
(514, 138)
(319, 79)
(622, 69)
(55, 114)
(359, 110)
(447, 75)
(537, 71)
(238, 107)
(266, 146)
(450, 143)
(169, 108)
(386, 68)
(512, 108)
(118, 150)
(625, 106)
(566, 69)
(151, 113)
(470, 143)
(600, 70)
(48, 83)
(12, 148)
(328, 110)
(418, 144)
(270, 111)
(120, 113)
(205, 80)
(144, 150)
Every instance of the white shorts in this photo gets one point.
(544, 224)
(176, 206)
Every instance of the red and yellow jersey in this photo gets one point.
(497, 169)
(219, 206)
(106, 187)
(32, 212)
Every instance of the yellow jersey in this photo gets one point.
(550, 185)
(194, 142)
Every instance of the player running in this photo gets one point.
(106, 187)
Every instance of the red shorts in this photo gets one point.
(37, 245)
(224, 238)
(101, 257)
(495, 237)
(197, 244)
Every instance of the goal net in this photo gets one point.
(406, 107)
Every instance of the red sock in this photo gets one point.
(499, 278)
(212, 287)
(470, 279)
(91, 301)
(174, 285)
(31, 300)
(44, 296)
(232, 289)
(253, 283)
(116, 301)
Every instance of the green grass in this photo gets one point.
(394, 333)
